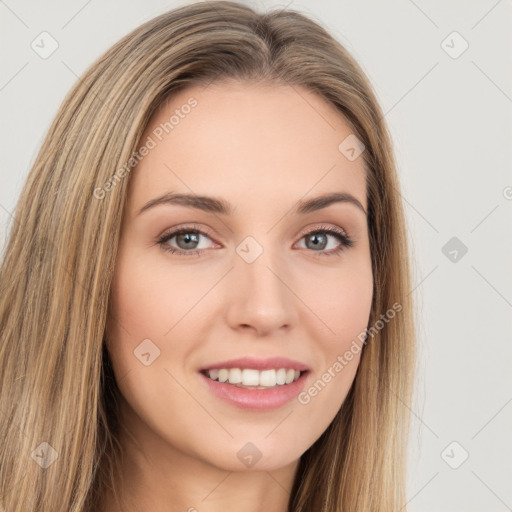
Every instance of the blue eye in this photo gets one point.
(189, 237)
(322, 234)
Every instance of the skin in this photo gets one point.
(262, 148)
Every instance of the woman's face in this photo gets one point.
(258, 274)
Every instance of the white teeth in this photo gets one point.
(281, 376)
(250, 377)
(235, 376)
(268, 378)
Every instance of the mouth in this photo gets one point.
(255, 390)
(250, 378)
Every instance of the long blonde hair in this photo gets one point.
(58, 430)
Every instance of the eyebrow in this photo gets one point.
(217, 205)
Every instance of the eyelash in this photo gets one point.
(345, 241)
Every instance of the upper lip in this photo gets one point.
(258, 364)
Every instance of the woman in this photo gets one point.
(205, 296)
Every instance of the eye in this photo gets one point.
(318, 239)
(188, 240)
(188, 237)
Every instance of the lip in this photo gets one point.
(255, 399)
(258, 364)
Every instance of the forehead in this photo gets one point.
(247, 141)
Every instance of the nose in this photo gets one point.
(260, 296)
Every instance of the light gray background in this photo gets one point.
(450, 119)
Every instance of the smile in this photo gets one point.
(254, 379)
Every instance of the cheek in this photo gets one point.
(139, 312)
(350, 320)
(346, 313)
(149, 299)
(343, 305)
(341, 300)
(350, 305)
(152, 304)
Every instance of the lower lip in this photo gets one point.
(256, 399)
